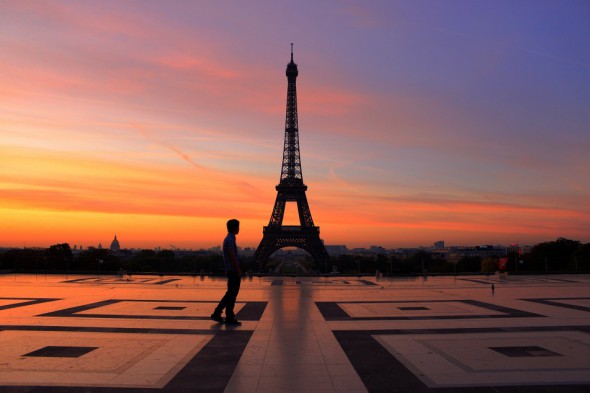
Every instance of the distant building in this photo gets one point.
(336, 250)
(456, 253)
(115, 246)
(518, 249)
(214, 249)
(361, 251)
(246, 252)
(439, 244)
(377, 250)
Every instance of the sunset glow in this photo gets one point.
(419, 120)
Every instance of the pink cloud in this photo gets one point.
(85, 17)
(206, 66)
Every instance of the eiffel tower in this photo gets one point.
(291, 189)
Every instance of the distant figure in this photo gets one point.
(233, 273)
(493, 288)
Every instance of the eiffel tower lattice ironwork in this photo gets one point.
(291, 189)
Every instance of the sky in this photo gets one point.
(419, 121)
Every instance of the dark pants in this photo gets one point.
(229, 299)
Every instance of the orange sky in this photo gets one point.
(417, 124)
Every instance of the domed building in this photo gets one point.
(115, 246)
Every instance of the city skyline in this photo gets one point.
(418, 121)
(376, 248)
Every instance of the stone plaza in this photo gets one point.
(142, 333)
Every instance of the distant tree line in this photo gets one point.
(60, 258)
(561, 255)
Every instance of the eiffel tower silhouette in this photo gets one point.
(291, 189)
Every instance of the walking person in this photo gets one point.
(233, 272)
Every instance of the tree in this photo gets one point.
(25, 259)
(469, 264)
(555, 255)
(167, 261)
(147, 261)
(58, 256)
(382, 263)
(90, 260)
(420, 262)
(490, 265)
(581, 262)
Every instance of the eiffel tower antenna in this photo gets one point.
(291, 189)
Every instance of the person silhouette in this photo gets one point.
(233, 272)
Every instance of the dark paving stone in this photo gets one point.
(556, 302)
(543, 389)
(78, 280)
(94, 329)
(252, 311)
(214, 365)
(166, 281)
(68, 312)
(413, 308)
(479, 281)
(509, 312)
(331, 311)
(27, 302)
(169, 308)
(61, 352)
(520, 352)
(379, 370)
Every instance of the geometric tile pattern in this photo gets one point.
(416, 310)
(143, 309)
(304, 334)
(171, 359)
(120, 361)
(418, 361)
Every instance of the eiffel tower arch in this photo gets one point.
(291, 189)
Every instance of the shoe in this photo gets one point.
(216, 317)
(232, 321)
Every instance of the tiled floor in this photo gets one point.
(299, 334)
